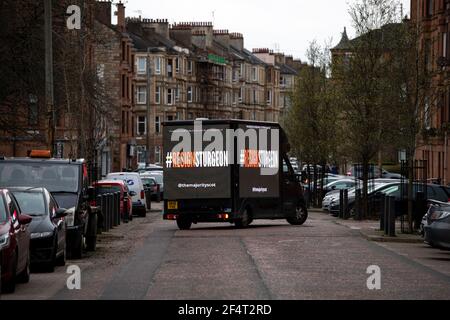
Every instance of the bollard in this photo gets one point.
(346, 211)
(391, 217)
(114, 210)
(98, 203)
(158, 193)
(420, 208)
(108, 213)
(118, 209)
(125, 211)
(382, 210)
(341, 204)
(105, 212)
(358, 204)
(148, 198)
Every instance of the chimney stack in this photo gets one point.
(237, 41)
(103, 12)
(121, 16)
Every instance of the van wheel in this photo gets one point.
(76, 251)
(184, 223)
(143, 213)
(245, 221)
(301, 214)
(91, 237)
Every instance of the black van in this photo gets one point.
(67, 181)
(229, 171)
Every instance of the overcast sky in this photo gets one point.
(282, 25)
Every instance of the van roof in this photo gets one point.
(123, 174)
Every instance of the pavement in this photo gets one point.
(150, 259)
(370, 230)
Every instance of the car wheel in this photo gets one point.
(143, 213)
(61, 260)
(24, 276)
(245, 220)
(301, 215)
(9, 286)
(76, 252)
(184, 223)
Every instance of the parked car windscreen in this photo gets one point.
(52, 176)
(158, 178)
(2, 210)
(31, 203)
(149, 181)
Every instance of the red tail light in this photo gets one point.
(142, 194)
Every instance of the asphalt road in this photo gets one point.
(151, 259)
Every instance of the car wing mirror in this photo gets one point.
(61, 213)
(24, 219)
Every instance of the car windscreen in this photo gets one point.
(149, 181)
(31, 203)
(158, 178)
(54, 177)
(104, 189)
(2, 210)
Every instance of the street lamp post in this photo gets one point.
(49, 100)
(149, 145)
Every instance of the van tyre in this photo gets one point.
(245, 220)
(184, 223)
(301, 215)
(143, 213)
(76, 251)
(91, 238)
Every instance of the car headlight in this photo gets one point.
(439, 215)
(38, 235)
(70, 218)
(4, 240)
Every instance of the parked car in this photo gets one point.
(149, 168)
(394, 189)
(67, 180)
(48, 228)
(334, 206)
(159, 177)
(14, 243)
(437, 225)
(112, 186)
(136, 187)
(374, 172)
(339, 185)
(150, 184)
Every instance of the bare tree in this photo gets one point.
(362, 80)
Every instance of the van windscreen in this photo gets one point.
(54, 177)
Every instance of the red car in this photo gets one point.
(14, 243)
(112, 186)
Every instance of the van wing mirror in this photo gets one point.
(90, 196)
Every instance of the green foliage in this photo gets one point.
(311, 123)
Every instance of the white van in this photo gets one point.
(136, 187)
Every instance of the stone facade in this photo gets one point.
(432, 18)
